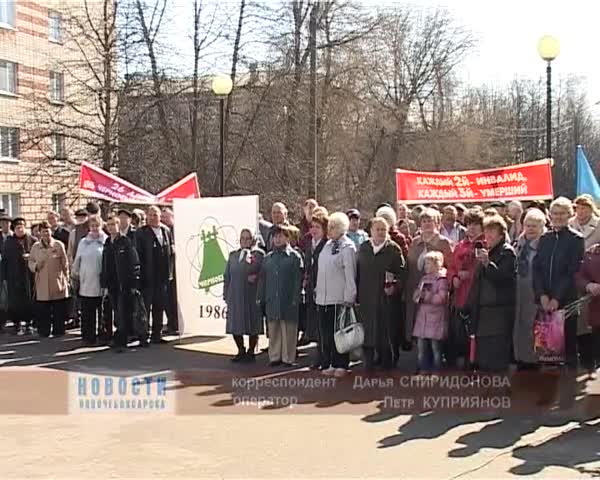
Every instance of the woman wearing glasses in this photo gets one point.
(534, 226)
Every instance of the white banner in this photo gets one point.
(207, 230)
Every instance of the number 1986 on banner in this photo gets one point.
(213, 311)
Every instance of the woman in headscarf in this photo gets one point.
(239, 292)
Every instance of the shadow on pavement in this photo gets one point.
(208, 383)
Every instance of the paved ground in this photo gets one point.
(339, 432)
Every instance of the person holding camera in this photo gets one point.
(492, 297)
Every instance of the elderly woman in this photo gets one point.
(559, 256)
(312, 250)
(279, 288)
(336, 287)
(534, 226)
(396, 300)
(87, 269)
(492, 297)
(381, 267)
(239, 292)
(406, 225)
(388, 214)
(588, 281)
(19, 280)
(460, 278)
(586, 220)
(429, 240)
(48, 261)
(515, 212)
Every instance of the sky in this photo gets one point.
(507, 32)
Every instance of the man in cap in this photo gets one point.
(126, 228)
(355, 233)
(81, 230)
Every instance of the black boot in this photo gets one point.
(240, 356)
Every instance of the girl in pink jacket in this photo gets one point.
(431, 323)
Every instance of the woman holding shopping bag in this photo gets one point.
(336, 287)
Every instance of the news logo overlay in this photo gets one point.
(141, 394)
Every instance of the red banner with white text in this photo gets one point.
(101, 184)
(187, 187)
(527, 181)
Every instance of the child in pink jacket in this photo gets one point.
(431, 323)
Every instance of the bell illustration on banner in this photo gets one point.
(213, 261)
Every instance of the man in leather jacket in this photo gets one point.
(120, 278)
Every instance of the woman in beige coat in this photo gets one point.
(48, 262)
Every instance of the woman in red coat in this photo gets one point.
(588, 281)
(460, 277)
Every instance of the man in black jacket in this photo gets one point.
(171, 308)
(58, 231)
(559, 256)
(120, 277)
(155, 249)
(126, 228)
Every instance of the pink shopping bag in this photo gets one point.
(549, 336)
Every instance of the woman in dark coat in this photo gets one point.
(559, 256)
(492, 297)
(239, 292)
(588, 281)
(311, 258)
(380, 268)
(15, 270)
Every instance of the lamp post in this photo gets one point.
(221, 87)
(548, 48)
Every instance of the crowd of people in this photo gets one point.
(438, 279)
(75, 269)
(432, 278)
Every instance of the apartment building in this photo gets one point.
(36, 173)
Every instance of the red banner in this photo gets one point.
(101, 184)
(187, 187)
(527, 181)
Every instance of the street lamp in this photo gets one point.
(221, 87)
(548, 48)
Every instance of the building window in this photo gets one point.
(58, 200)
(7, 13)
(57, 88)
(11, 203)
(8, 76)
(54, 26)
(58, 147)
(9, 143)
